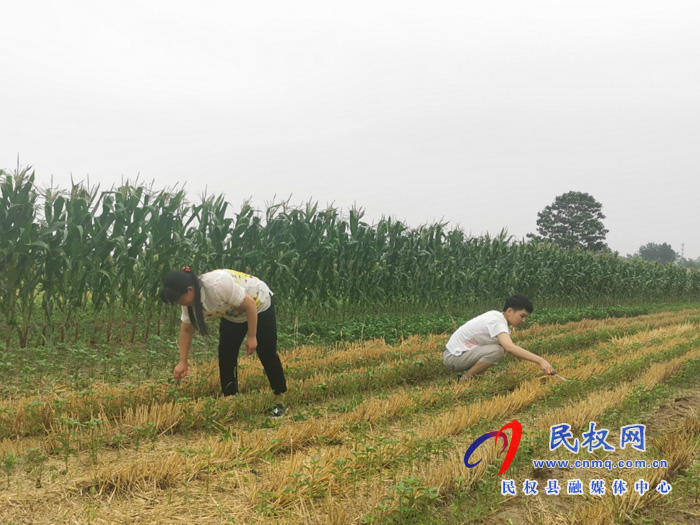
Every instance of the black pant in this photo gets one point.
(231, 336)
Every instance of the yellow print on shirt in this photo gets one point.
(240, 276)
(242, 280)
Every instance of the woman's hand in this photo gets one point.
(546, 367)
(251, 313)
(251, 343)
(180, 371)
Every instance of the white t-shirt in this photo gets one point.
(481, 330)
(223, 291)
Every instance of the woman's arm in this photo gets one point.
(186, 333)
(510, 347)
(251, 313)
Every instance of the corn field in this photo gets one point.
(85, 263)
(376, 434)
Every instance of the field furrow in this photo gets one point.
(376, 434)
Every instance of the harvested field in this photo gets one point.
(375, 434)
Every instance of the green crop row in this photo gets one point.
(90, 262)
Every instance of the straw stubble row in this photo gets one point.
(295, 437)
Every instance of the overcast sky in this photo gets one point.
(478, 113)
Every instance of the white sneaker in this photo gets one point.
(279, 410)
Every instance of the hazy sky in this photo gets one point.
(474, 112)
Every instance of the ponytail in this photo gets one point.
(175, 286)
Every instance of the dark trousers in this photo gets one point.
(231, 336)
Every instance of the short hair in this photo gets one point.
(518, 302)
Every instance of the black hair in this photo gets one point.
(175, 285)
(518, 302)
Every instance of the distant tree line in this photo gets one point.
(575, 220)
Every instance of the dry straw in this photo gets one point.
(454, 422)
(149, 472)
(141, 476)
(678, 446)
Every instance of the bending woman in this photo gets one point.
(245, 306)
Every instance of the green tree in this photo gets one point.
(689, 263)
(662, 253)
(573, 220)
